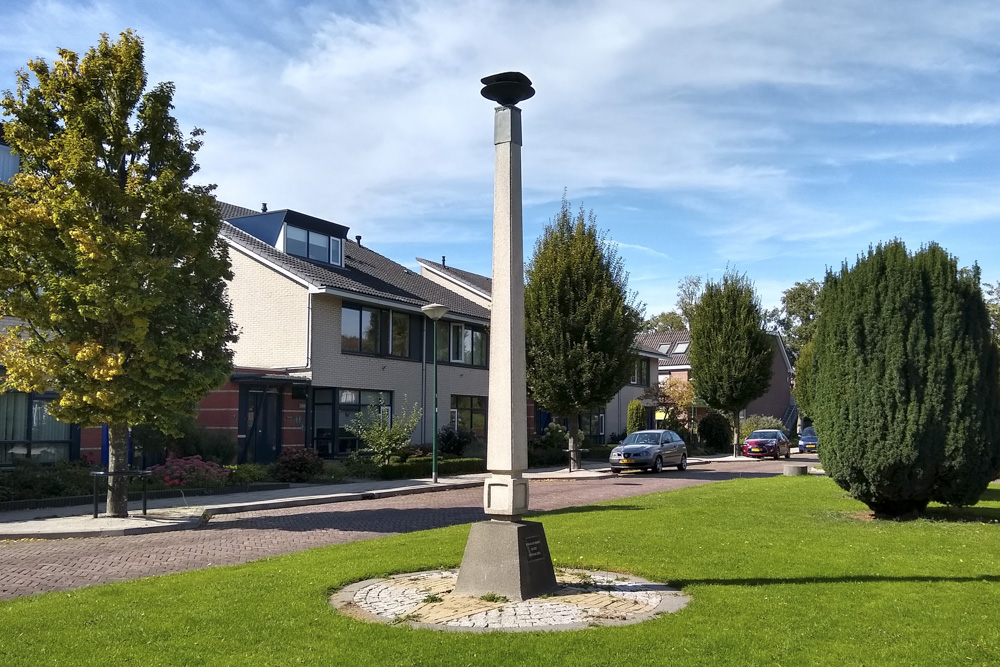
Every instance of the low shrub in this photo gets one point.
(361, 466)
(297, 464)
(189, 471)
(453, 442)
(616, 438)
(549, 448)
(29, 480)
(715, 432)
(247, 473)
(755, 422)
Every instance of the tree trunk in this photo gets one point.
(736, 432)
(117, 462)
(574, 446)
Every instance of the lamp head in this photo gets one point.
(435, 311)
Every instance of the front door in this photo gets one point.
(260, 424)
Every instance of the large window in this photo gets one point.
(400, 335)
(469, 413)
(640, 373)
(27, 430)
(313, 245)
(349, 403)
(461, 344)
(360, 330)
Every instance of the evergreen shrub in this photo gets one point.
(636, 419)
(906, 393)
(755, 422)
(297, 464)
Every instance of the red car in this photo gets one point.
(767, 443)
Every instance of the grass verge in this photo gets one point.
(781, 571)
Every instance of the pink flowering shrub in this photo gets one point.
(190, 472)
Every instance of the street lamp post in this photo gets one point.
(435, 311)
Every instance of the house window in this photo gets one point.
(640, 373)
(400, 335)
(350, 402)
(461, 344)
(469, 413)
(323, 421)
(360, 330)
(27, 430)
(681, 348)
(316, 246)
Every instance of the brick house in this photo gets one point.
(776, 402)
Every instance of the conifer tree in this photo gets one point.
(730, 352)
(906, 397)
(580, 320)
(109, 258)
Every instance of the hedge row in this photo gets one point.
(421, 467)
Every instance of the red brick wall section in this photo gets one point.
(293, 420)
(90, 444)
(219, 411)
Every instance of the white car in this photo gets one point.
(649, 450)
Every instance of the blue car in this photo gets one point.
(808, 442)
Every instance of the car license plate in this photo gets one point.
(627, 461)
(756, 449)
(810, 446)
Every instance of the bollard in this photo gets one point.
(792, 470)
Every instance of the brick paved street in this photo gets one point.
(35, 566)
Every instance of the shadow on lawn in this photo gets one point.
(586, 509)
(861, 578)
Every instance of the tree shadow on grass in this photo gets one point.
(963, 514)
(388, 521)
(586, 509)
(847, 579)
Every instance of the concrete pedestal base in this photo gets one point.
(508, 558)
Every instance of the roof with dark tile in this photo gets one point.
(227, 211)
(655, 340)
(366, 273)
(474, 280)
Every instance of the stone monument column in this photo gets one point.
(507, 556)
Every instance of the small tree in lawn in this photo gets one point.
(109, 258)
(580, 321)
(635, 420)
(906, 393)
(730, 352)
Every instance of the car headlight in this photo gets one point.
(617, 450)
(772, 443)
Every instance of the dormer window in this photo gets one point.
(313, 245)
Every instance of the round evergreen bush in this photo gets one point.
(905, 390)
(715, 431)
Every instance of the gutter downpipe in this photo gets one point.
(423, 379)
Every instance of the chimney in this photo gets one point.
(442, 262)
(358, 239)
(263, 207)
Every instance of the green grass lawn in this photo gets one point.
(781, 572)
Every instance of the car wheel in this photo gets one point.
(615, 471)
(683, 465)
(657, 466)
(777, 453)
(788, 453)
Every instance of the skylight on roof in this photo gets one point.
(681, 348)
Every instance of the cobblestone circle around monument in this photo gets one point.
(584, 599)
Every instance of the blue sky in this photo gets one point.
(778, 138)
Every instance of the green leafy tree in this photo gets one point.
(730, 352)
(799, 313)
(383, 436)
(635, 420)
(109, 257)
(689, 291)
(580, 320)
(991, 293)
(805, 371)
(666, 321)
(906, 395)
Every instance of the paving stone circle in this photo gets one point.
(584, 599)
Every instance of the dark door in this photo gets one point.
(260, 424)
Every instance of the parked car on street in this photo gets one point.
(649, 450)
(808, 442)
(767, 442)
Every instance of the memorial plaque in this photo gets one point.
(534, 547)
